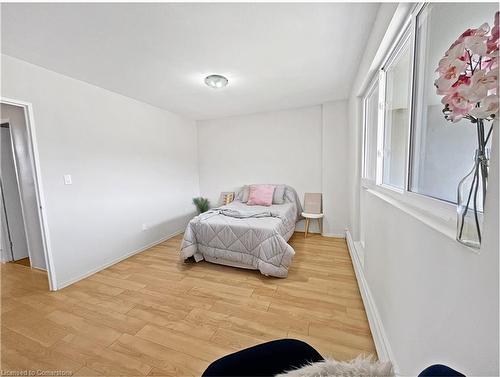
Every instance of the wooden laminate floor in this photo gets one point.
(23, 262)
(154, 315)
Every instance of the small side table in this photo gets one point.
(313, 209)
(308, 217)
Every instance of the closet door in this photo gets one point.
(12, 216)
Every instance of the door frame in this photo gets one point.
(40, 197)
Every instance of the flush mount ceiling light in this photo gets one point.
(216, 81)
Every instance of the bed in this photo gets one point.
(239, 235)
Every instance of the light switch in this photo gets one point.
(67, 179)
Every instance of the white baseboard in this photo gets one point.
(115, 261)
(335, 235)
(382, 345)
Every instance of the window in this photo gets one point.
(397, 74)
(442, 152)
(370, 110)
(418, 151)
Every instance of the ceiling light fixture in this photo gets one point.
(216, 81)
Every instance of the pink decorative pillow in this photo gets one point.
(261, 195)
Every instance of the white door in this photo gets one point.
(12, 216)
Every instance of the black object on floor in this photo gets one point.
(267, 359)
(439, 370)
(278, 356)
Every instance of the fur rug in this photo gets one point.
(359, 367)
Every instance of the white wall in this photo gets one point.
(437, 300)
(274, 147)
(335, 168)
(304, 148)
(131, 164)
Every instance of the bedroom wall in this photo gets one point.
(131, 164)
(437, 300)
(272, 147)
(303, 147)
(335, 168)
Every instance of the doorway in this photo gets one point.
(22, 221)
(14, 241)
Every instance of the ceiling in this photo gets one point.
(275, 55)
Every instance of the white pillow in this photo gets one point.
(359, 367)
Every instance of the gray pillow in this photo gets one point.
(279, 194)
(243, 194)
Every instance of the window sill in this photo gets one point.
(438, 215)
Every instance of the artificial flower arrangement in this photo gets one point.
(468, 75)
(468, 82)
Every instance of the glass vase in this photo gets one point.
(470, 201)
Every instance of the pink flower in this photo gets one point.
(456, 100)
(490, 62)
(480, 83)
(462, 80)
(468, 74)
(492, 43)
(487, 108)
(482, 30)
(492, 47)
(456, 52)
(476, 44)
(455, 114)
(450, 69)
(488, 79)
(495, 29)
(479, 32)
(457, 106)
(460, 39)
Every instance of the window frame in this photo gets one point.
(415, 141)
(437, 213)
(436, 206)
(415, 85)
(406, 39)
(374, 83)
